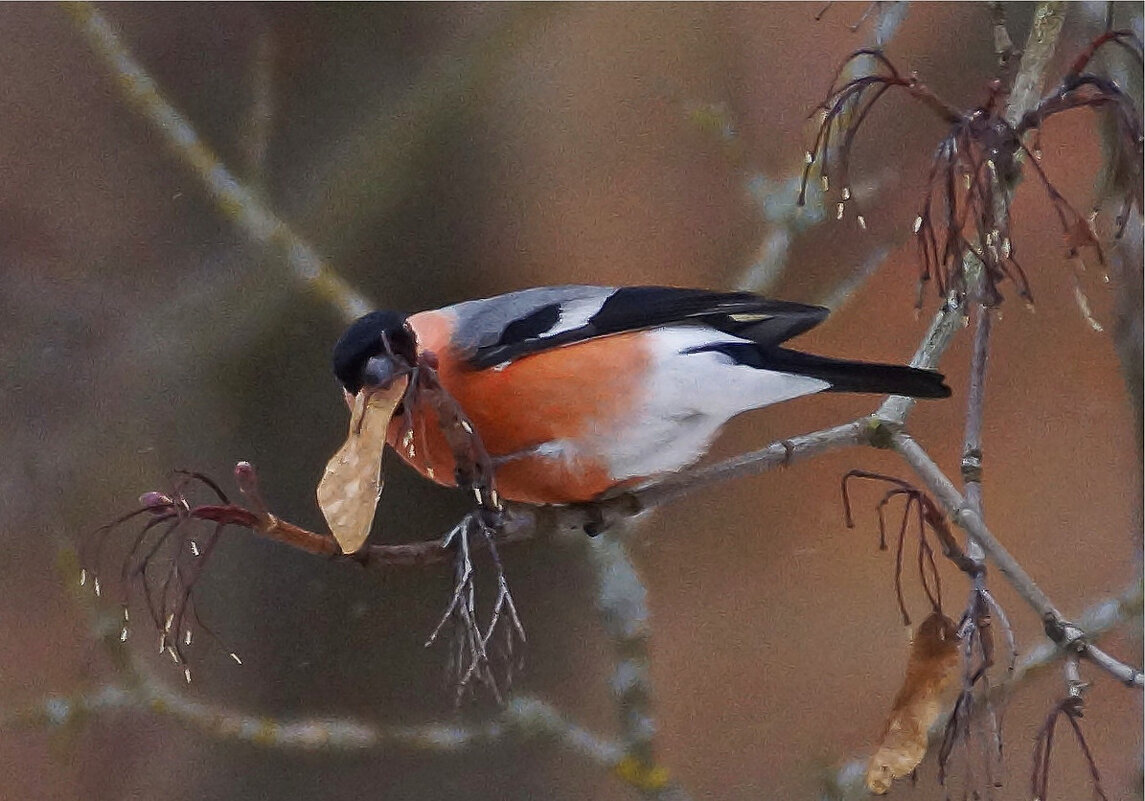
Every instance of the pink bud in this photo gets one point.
(155, 501)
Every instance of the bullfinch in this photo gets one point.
(580, 391)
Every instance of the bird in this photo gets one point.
(580, 392)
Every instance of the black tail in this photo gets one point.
(844, 376)
(847, 376)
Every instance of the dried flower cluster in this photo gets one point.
(965, 213)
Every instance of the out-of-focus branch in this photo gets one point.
(1099, 619)
(620, 600)
(232, 197)
(1003, 44)
(258, 126)
(848, 285)
(525, 718)
(1128, 332)
(1119, 179)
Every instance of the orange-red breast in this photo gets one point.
(579, 390)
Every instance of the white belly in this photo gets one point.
(687, 399)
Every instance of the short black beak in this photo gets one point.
(379, 372)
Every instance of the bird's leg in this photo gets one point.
(475, 656)
(472, 640)
(788, 452)
(596, 523)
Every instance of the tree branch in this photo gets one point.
(232, 197)
(947, 322)
(1039, 49)
(257, 128)
(1061, 631)
(525, 717)
(972, 441)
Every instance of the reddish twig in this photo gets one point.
(966, 206)
(976, 630)
(930, 517)
(1072, 709)
(176, 518)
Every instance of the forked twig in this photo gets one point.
(1072, 709)
(928, 518)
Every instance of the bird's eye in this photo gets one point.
(379, 372)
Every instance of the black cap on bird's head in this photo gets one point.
(373, 351)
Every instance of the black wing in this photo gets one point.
(507, 327)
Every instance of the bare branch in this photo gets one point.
(1058, 629)
(972, 441)
(525, 717)
(778, 454)
(947, 322)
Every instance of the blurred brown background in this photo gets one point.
(441, 152)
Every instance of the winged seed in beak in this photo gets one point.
(349, 490)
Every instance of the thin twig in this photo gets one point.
(972, 441)
(779, 198)
(1058, 628)
(947, 322)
